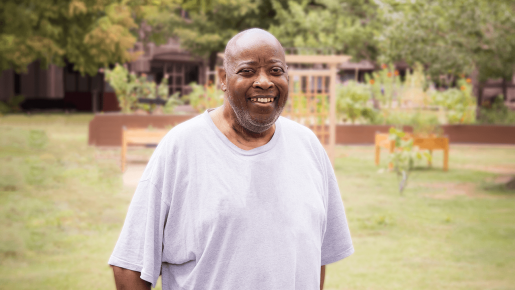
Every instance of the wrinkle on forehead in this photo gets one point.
(246, 40)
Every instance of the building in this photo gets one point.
(57, 88)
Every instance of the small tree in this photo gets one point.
(404, 156)
(123, 84)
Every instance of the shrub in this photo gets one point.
(351, 102)
(385, 85)
(457, 103)
(204, 97)
(496, 112)
(129, 89)
(12, 105)
(123, 84)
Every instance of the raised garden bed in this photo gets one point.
(423, 142)
(480, 134)
(477, 134)
(106, 130)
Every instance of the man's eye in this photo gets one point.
(277, 70)
(246, 71)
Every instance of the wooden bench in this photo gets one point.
(424, 143)
(139, 137)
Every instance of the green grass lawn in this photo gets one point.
(62, 205)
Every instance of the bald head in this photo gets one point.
(247, 39)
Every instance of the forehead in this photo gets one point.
(255, 46)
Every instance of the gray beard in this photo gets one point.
(246, 121)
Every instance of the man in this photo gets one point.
(238, 197)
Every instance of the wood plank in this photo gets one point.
(311, 72)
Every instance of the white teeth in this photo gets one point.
(262, 100)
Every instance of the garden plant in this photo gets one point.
(130, 88)
(352, 103)
(204, 97)
(404, 156)
(12, 105)
(496, 112)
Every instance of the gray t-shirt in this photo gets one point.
(209, 215)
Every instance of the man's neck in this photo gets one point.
(225, 121)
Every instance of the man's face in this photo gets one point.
(257, 70)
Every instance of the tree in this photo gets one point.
(87, 33)
(452, 37)
(329, 26)
(207, 29)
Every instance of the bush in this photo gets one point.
(204, 97)
(459, 105)
(129, 88)
(12, 105)
(496, 112)
(385, 86)
(351, 103)
(123, 83)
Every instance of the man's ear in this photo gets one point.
(222, 75)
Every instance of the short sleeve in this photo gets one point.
(140, 245)
(337, 243)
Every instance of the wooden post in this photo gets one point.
(429, 163)
(332, 113)
(446, 155)
(378, 150)
(124, 148)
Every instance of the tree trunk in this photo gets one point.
(479, 100)
(505, 89)
(477, 90)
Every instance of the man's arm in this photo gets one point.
(129, 280)
(322, 277)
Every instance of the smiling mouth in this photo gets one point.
(262, 100)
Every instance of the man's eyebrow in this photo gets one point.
(251, 62)
(247, 62)
(275, 61)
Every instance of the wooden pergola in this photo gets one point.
(315, 86)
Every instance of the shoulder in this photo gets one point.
(185, 132)
(174, 147)
(295, 132)
(302, 138)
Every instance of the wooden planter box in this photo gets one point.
(424, 143)
(106, 129)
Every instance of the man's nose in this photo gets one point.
(263, 81)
